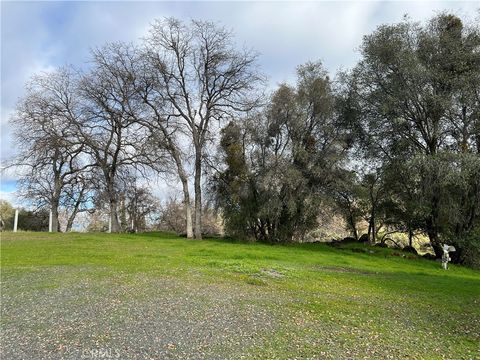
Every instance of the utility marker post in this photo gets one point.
(15, 221)
(110, 224)
(446, 256)
(50, 219)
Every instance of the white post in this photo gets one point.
(132, 225)
(110, 223)
(50, 222)
(15, 222)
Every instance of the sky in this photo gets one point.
(39, 36)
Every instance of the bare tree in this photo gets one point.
(202, 78)
(49, 155)
(140, 204)
(109, 128)
(164, 127)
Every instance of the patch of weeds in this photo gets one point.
(234, 267)
(338, 269)
(255, 280)
(272, 273)
(150, 256)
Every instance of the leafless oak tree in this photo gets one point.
(49, 155)
(109, 128)
(202, 79)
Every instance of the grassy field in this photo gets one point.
(156, 296)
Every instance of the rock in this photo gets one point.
(410, 249)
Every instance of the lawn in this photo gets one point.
(157, 296)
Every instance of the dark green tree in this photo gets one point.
(280, 164)
(413, 103)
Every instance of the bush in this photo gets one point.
(173, 218)
(33, 220)
(410, 249)
(363, 238)
(429, 256)
(468, 248)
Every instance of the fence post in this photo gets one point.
(50, 222)
(15, 222)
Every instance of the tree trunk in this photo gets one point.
(353, 226)
(188, 214)
(373, 202)
(122, 219)
(198, 194)
(186, 202)
(114, 216)
(55, 201)
(115, 226)
(186, 192)
(70, 222)
(71, 219)
(75, 210)
(410, 237)
(434, 241)
(55, 222)
(432, 227)
(374, 231)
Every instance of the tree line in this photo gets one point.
(137, 109)
(393, 142)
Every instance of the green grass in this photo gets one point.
(329, 302)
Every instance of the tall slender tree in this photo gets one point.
(165, 129)
(204, 80)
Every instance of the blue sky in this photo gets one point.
(38, 36)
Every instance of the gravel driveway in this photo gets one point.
(83, 312)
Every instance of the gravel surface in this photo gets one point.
(75, 313)
(88, 312)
